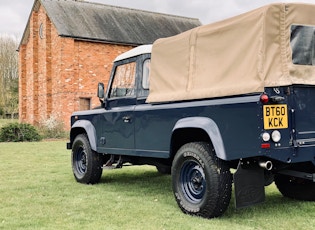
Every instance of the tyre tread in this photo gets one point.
(221, 178)
(94, 167)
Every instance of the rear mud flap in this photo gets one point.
(249, 186)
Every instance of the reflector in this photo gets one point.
(265, 145)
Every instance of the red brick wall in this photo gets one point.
(83, 65)
(56, 72)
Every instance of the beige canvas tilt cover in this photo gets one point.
(236, 56)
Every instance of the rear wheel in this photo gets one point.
(295, 188)
(86, 164)
(201, 182)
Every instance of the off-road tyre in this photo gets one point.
(86, 164)
(202, 183)
(295, 188)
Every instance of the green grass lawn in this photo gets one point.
(38, 191)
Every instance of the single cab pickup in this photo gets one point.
(237, 94)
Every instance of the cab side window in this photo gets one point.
(124, 81)
(145, 82)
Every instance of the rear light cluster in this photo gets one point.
(266, 137)
(265, 99)
(275, 135)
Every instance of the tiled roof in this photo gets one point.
(112, 24)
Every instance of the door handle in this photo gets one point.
(126, 119)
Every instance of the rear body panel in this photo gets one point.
(303, 104)
(240, 120)
(297, 141)
(148, 133)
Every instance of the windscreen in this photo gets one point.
(303, 44)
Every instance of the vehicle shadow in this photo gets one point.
(149, 182)
(146, 180)
(274, 203)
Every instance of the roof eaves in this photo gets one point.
(99, 40)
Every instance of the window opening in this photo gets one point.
(302, 42)
(124, 80)
(145, 81)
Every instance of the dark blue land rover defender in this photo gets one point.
(237, 94)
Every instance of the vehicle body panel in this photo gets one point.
(130, 126)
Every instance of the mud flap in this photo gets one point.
(249, 186)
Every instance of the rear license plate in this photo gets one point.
(275, 116)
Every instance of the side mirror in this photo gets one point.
(100, 91)
(101, 94)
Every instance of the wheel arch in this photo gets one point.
(84, 126)
(193, 129)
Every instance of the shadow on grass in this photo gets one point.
(149, 182)
(275, 205)
(144, 180)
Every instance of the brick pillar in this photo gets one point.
(48, 68)
(22, 84)
(35, 68)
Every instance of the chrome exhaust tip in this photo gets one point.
(266, 165)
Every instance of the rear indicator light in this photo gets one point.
(264, 98)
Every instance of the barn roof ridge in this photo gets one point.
(85, 20)
(128, 8)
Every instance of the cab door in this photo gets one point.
(153, 126)
(118, 119)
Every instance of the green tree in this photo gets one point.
(8, 75)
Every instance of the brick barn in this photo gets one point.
(68, 47)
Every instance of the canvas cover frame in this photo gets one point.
(237, 56)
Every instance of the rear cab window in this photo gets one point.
(145, 79)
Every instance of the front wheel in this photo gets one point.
(86, 164)
(202, 183)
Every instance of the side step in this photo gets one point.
(112, 163)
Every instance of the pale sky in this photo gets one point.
(14, 13)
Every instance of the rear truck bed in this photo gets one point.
(287, 147)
